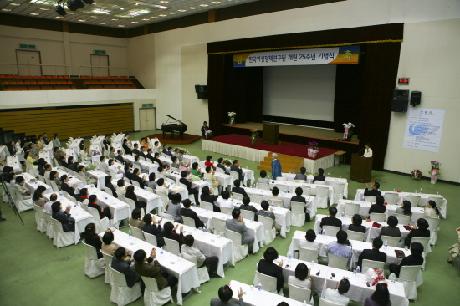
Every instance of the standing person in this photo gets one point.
(205, 131)
(276, 167)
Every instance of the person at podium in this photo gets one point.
(367, 151)
(276, 167)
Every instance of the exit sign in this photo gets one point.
(26, 46)
(99, 52)
(403, 81)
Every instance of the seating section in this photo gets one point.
(52, 82)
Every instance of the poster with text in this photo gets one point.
(424, 129)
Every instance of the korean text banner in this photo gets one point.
(337, 55)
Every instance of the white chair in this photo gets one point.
(152, 239)
(172, 246)
(299, 294)
(234, 175)
(324, 302)
(306, 190)
(247, 214)
(330, 230)
(433, 226)
(269, 229)
(94, 266)
(120, 293)
(136, 184)
(136, 232)
(203, 275)
(54, 186)
(297, 213)
(40, 219)
(226, 210)
(61, 238)
(101, 224)
(266, 282)
(413, 199)
(425, 241)
(371, 199)
(131, 203)
(378, 217)
(351, 209)
(49, 226)
(439, 200)
(408, 276)
(108, 262)
(358, 236)
(371, 264)
(240, 250)
(188, 221)
(218, 226)
(276, 202)
(392, 198)
(206, 205)
(307, 254)
(237, 196)
(166, 216)
(152, 295)
(337, 261)
(403, 219)
(321, 196)
(22, 203)
(339, 190)
(391, 241)
(263, 186)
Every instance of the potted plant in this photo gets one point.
(416, 174)
(231, 117)
(434, 172)
(313, 149)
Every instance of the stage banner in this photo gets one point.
(424, 129)
(338, 55)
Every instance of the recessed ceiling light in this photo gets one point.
(44, 9)
(102, 23)
(121, 26)
(204, 5)
(182, 11)
(114, 19)
(94, 17)
(192, 8)
(6, 10)
(35, 14)
(122, 8)
(215, 2)
(137, 3)
(134, 22)
(162, 15)
(164, 2)
(58, 17)
(15, 4)
(101, 11)
(81, 20)
(160, 6)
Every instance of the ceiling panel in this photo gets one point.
(117, 13)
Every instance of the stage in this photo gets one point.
(241, 146)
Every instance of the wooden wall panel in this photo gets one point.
(70, 121)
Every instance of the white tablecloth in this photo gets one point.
(292, 185)
(257, 228)
(310, 178)
(359, 196)
(234, 150)
(32, 183)
(185, 271)
(358, 289)
(99, 176)
(152, 200)
(118, 209)
(13, 162)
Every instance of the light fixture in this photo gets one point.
(35, 14)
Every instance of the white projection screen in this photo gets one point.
(301, 92)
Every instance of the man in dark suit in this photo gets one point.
(374, 253)
(331, 220)
(379, 206)
(157, 159)
(119, 157)
(136, 150)
(392, 229)
(301, 175)
(221, 165)
(121, 263)
(150, 267)
(236, 167)
(246, 206)
(320, 177)
(189, 185)
(225, 295)
(414, 259)
(238, 189)
(298, 195)
(126, 147)
(374, 191)
(268, 267)
(149, 155)
(186, 211)
(135, 176)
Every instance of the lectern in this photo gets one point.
(270, 133)
(361, 168)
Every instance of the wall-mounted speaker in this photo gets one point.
(400, 100)
(415, 97)
(201, 91)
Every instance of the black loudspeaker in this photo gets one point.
(201, 91)
(400, 100)
(415, 98)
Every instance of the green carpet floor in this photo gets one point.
(36, 273)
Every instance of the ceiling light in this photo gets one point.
(162, 15)
(160, 6)
(164, 2)
(215, 2)
(58, 17)
(122, 8)
(182, 11)
(121, 26)
(204, 5)
(145, 19)
(102, 23)
(134, 22)
(192, 8)
(138, 12)
(35, 14)
(114, 19)
(6, 10)
(44, 9)
(15, 4)
(101, 11)
(81, 20)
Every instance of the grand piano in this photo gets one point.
(173, 125)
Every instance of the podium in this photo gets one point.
(270, 133)
(361, 168)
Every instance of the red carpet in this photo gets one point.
(176, 139)
(286, 148)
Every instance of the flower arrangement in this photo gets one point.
(416, 174)
(434, 172)
(231, 117)
(374, 276)
(313, 149)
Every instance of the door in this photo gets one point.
(147, 119)
(100, 65)
(29, 62)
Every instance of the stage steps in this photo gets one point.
(288, 163)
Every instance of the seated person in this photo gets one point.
(338, 295)
(103, 212)
(21, 188)
(136, 150)
(341, 247)
(152, 227)
(151, 183)
(150, 267)
(405, 209)
(211, 178)
(421, 231)
(65, 185)
(174, 208)
(126, 147)
(190, 188)
(38, 197)
(186, 211)
(221, 166)
(47, 207)
(120, 189)
(205, 131)
(236, 167)
(161, 186)
(268, 267)
(170, 231)
(301, 175)
(119, 157)
(380, 297)
(135, 219)
(374, 191)
(236, 224)
(81, 173)
(209, 162)
(130, 194)
(265, 212)
(298, 195)
(309, 242)
(108, 184)
(263, 179)
(102, 166)
(238, 189)
(373, 254)
(300, 278)
(156, 158)
(379, 206)
(320, 177)
(175, 162)
(225, 295)
(246, 206)
(54, 177)
(136, 177)
(431, 210)
(201, 260)
(224, 200)
(83, 196)
(68, 223)
(167, 151)
(331, 220)
(48, 169)
(355, 225)
(91, 238)
(208, 197)
(108, 246)
(121, 262)
(195, 171)
(392, 229)
(414, 259)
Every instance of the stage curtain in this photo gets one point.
(347, 96)
(233, 89)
